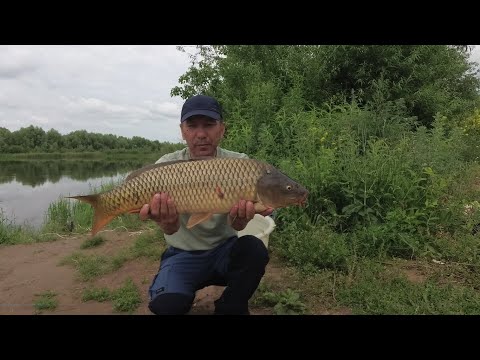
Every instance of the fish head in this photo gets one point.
(277, 190)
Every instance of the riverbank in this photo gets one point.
(74, 275)
(110, 274)
(82, 156)
(310, 271)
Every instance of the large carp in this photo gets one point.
(198, 187)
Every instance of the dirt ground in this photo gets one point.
(28, 270)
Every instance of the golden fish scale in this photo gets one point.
(195, 186)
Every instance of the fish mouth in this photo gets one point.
(303, 200)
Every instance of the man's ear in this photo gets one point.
(181, 132)
(223, 129)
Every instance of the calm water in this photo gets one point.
(27, 188)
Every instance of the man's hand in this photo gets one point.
(243, 212)
(162, 210)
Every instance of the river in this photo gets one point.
(27, 188)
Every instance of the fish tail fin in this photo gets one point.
(100, 217)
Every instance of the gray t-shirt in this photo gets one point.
(210, 233)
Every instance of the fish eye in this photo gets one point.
(289, 187)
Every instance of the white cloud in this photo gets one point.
(475, 56)
(166, 108)
(98, 106)
(15, 62)
(123, 90)
(40, 120)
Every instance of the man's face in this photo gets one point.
(202, 135)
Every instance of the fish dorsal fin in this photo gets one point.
(148, 167)
(197, 219)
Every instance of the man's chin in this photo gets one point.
(204, 151)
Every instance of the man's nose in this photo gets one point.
(201, 133)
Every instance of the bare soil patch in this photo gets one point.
(32, 269)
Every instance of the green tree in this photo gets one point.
(5, 135)
(54, 140)
(430, 78)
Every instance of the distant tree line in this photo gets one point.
(35, 139)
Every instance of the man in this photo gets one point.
(210, 253)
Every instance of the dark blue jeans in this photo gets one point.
(237, 263)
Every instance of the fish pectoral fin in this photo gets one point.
(259, 207)
(134, 211)
(197, 219)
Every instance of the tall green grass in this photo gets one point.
(67, 216)
(376, 291)
(379, 186)
(71, 215)
(11, 233)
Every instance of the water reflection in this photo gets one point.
(27, 188)
(34, 173)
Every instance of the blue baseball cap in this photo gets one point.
(201, 105)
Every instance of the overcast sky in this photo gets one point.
(121, 90)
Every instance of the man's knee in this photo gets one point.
(250, 249)
(171, 304)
